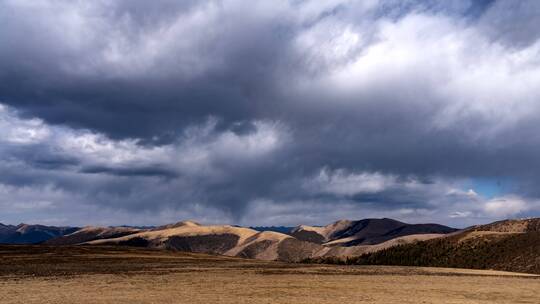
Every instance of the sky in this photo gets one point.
(269, 112)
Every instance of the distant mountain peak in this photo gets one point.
(188, 223)
(366, 231)
(31, 234)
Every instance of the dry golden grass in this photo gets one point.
(190, 229)
(30, 274)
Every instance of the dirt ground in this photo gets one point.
(40, 274)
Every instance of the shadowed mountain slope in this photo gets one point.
(91, 233)
(31, 234)
(280, 229)
(364, 232)
(511, 245)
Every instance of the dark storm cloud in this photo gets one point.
(71, 82)
(54, 163)
(145, 171)
(221, 107)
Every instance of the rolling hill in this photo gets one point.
(364, 232)
(91, 233)
(510, 245)
(251, 243)
(223, 240)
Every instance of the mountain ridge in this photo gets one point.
(369, 231)
(248, 242)
(509, 245)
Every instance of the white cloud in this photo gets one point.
(436, 63)
(200, 146)
(203, 152)
(14, 130)
(98, 149)
(327, 44)
(268, 137)
(461, 214)
(505, 206)
(345, 182)
(342, 182)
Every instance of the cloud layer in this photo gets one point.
(269, 113)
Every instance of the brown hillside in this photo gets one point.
(512, 245)
(91, 233)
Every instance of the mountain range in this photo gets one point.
(31, 234)
(339, 239)
(512, 245)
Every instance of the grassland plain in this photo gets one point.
(95, 274)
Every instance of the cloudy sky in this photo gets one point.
(269, 112)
